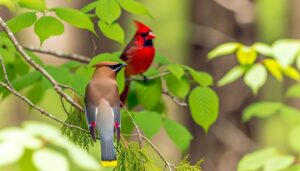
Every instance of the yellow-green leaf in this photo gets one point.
(223, 49)
(273, 67)
(134, 7)
(232, 75)
(39, 5)
(21, 21)
(114, 31)
(48, 26)
(291, 72)
(262, 48)
(285, 51)
(108, 10)
(256, 77)
(246, 55)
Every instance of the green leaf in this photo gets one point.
(49, 160)
(256, 159)
(178, 87)
(203, 78)
(36, 92)
(261, 110)
(294, 139)
(39, 5)
(21, 66)
(89, 7)
(144, 90)
(11, 152)
(61, 75)
(246, 55)
(134, 7)
(53, 25)
(82, 158)
(108, 11)
(76, 18)
(278, 163)
(256, 77)
(114, 31)
(121, 80)
(105, 57)
(285, 51)
(21, 21)
(232, 75)
(204, 106)
(291, 72)
(224, 49)
(176, 70)
(178, 133)
(126, 122)
(150, 122)
(263, 49)
(26, 80)
(273, 67)
(293, 91)
(161, 60)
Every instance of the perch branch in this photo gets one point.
(8, 86)
(70, 56)
(36, 66)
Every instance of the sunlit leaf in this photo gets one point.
(10, 153)
(224, 49)
(176, 70)
(246, 55)
(273, 67)
(104, 57)
(261, 110)
(89, 7)
(76, 18)
(22, 21)
(134, 7)
(178, 133)
(278, 163)
(39, 5)
(292, 73)
(108, 11)
(53, 25)
(232, 75)
(48, 160)
(256, 160)
(178, 87)
(160, 59)
(285, 51)
(204, 106)
(256, 77)
(262, 49)
(113, 31)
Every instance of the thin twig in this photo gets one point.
(93, 44)
(179, 103)
(135, 125)
(70, 56)
(4, 72)
(42, 111)
(36, 66)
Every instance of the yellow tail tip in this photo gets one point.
(112, 163)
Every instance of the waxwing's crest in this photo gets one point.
(141, 28)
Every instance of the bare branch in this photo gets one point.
(150, 78)
(4, 72)
(70, 56)
(179, 103)
(36, 66)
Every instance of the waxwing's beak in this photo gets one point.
(120, 67)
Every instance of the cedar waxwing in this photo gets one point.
(102, 109)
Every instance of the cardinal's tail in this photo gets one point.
(124, 94)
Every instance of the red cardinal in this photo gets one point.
(138, 54)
